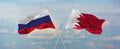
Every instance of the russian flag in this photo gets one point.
(39, 23)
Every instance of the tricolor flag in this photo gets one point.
(85, 21)
(42, 21)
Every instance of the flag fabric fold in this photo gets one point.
(37, 22)
(90, 22)
(85, 21)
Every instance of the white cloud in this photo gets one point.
(91, 44)
(115, 37)
(83, 36)
(7, 36)
(109, 46)
(3, 30)
(10, 44)
(100, 45)
(8, 11)
(6, 45)
(36, 1)
(117, 21)
(15, 31)
(41, 48)
(105, 45)
(4, 24)
(41, 37)
(77, 31)
(69, 36)
(99, 8)
(42, 34)
(67, 41)
(74, 36)
(45, 42)
(14, 43)
(32, 43)
(112, 38)
(27, 19)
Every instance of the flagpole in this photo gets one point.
(67, 20)
(60, 33)
(59, 36)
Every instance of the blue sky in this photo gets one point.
(13, 10)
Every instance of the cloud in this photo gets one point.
(98, 8)
(67, 41)
(8, 14)
(13, 43)
(9, 44)
(6, 45)
(41, 43)
(3, 30)
(41, 48)
(72, 34)
(91, 44)
(117, 37)
(116, 23)
(108, 46)
(42, 34)
(41, 37)
(27, 19)
(34, 43)
(100, 45)
(4, 24)
(116, 2)
(77, 31)
(105, 46)
(32, 2)
(6, 36)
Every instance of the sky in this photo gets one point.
(13, 10)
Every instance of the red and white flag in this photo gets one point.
(73, 19)
(85, 21)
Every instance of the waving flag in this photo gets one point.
(90, 22)
(85, 21)
(73, 19)
(37, 22)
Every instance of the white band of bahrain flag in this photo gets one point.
(73, 19)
